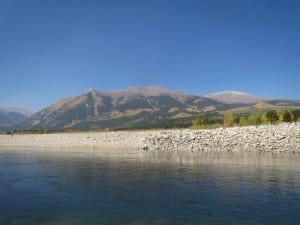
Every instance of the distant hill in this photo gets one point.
(234, 97)
(13, 116)
(127, 108)
(278, 103)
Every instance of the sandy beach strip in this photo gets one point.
(94, 140)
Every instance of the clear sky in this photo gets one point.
(52, 49)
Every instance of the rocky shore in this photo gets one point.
(268, 138)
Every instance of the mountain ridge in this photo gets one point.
(11, 116)
(119, 109)
(141, 107)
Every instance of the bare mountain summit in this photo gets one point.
(234, 97)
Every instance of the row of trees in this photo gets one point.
(199, 121)
(269, 117)
(41, 131)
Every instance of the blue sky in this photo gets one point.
(53, 49)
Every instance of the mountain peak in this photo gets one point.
(234, 97)
(90, 90)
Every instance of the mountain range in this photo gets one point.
(127, 108)
(140, 107)
(13, 116)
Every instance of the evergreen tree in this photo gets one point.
(264, 119)
(196, 122)
(255, 119)
(243, 121)
(296, 114)
(228, 119)
(287, 116)
(205, 120)
(272, 116)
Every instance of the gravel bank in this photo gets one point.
(269, 138)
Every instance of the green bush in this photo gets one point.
(8, 132)
(46, 131)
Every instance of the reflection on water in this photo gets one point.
(114, 187)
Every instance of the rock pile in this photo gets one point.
(268, 138)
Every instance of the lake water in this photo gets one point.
(148, 188)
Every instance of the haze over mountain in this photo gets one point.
(234, 97)
(13, 116)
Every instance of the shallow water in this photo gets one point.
(148, 188)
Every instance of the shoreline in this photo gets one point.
(86, 140)
(266, 138)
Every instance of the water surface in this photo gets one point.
(45, 187)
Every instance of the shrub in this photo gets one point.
(46, 131)
(8, 132)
